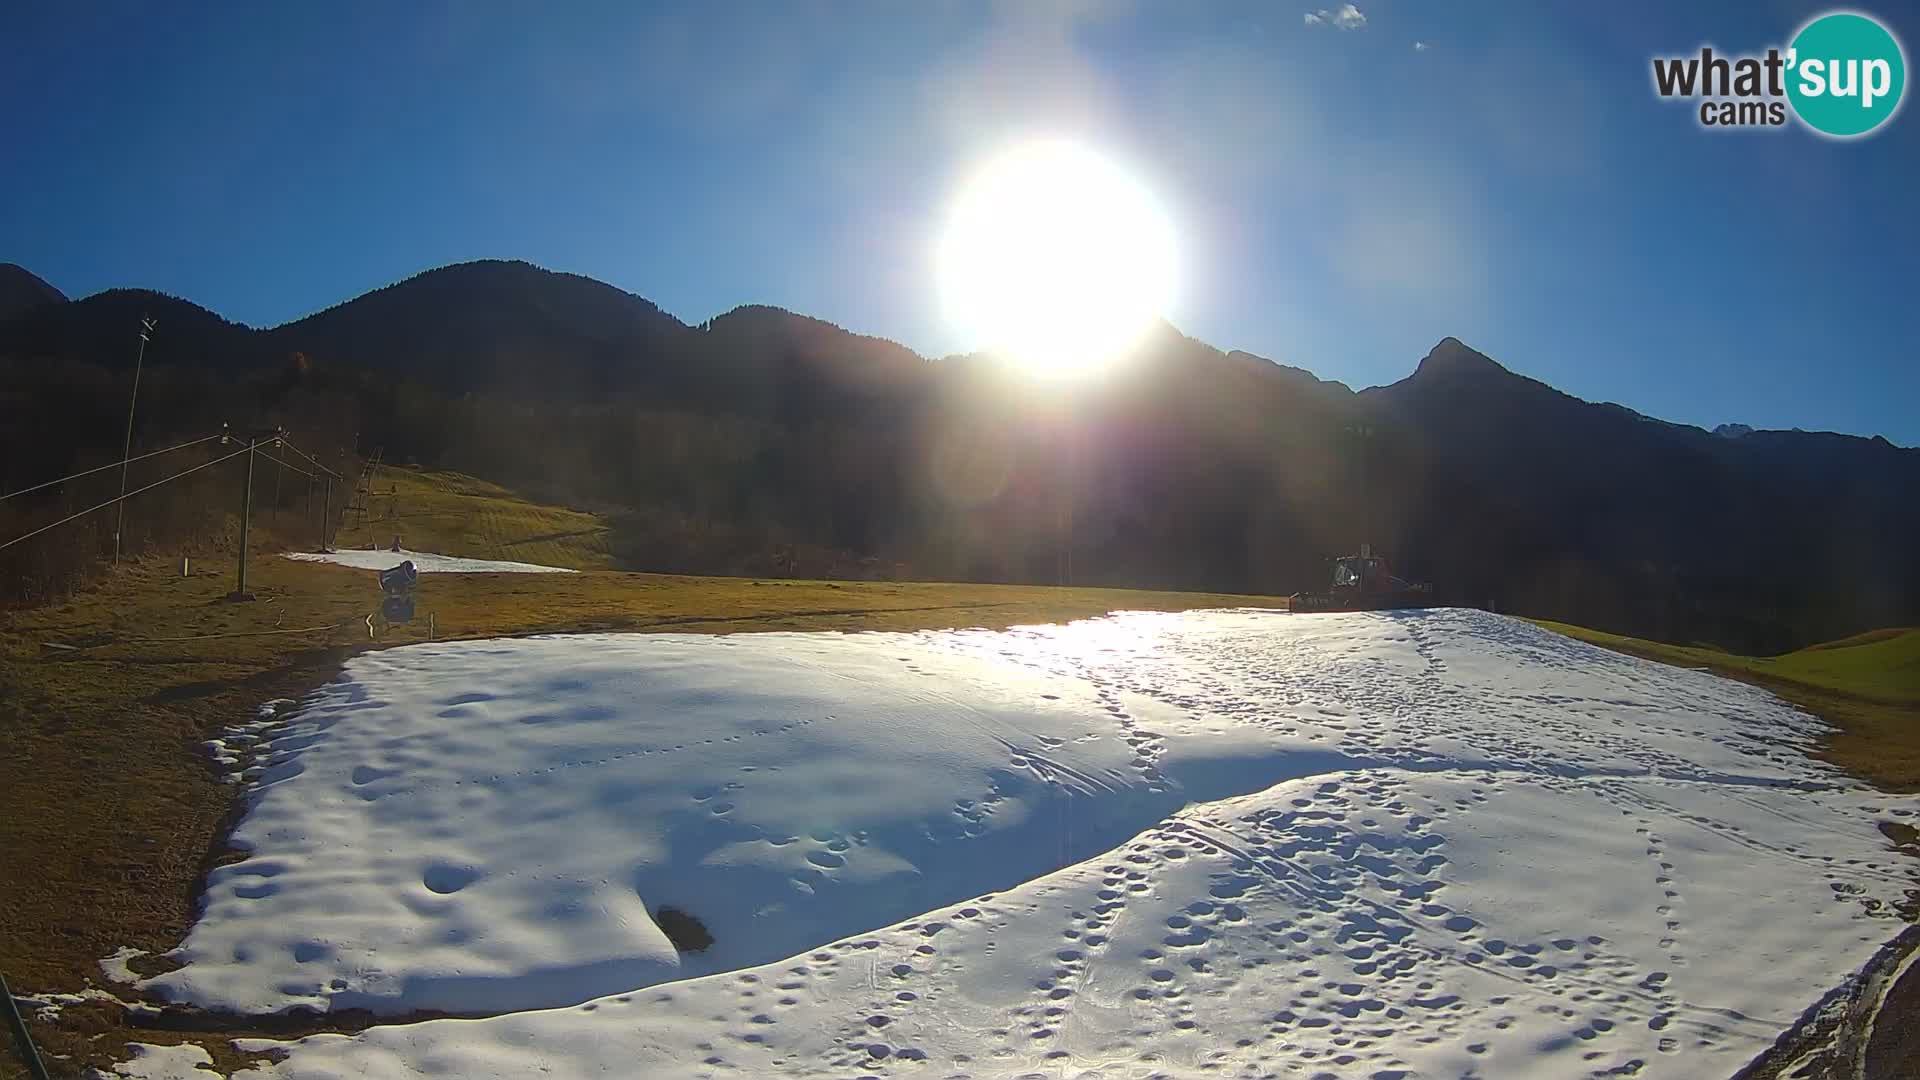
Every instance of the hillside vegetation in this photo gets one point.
(452, 514)
(58, 419)
(1867, 686)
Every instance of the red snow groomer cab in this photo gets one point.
(1364, 582)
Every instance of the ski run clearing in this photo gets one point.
(1219, 843)
(425, 562)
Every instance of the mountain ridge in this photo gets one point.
(1183, 467)
(1447, 355)
(22, 290)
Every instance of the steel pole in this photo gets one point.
(126, 446)
(246, 511)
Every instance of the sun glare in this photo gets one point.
(1056, 258)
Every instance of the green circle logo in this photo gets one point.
(1846, 74)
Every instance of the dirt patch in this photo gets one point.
(1837, 1038)
(1906, 838)
(688, 934)
(1893, 1050)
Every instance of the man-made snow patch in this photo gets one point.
(1368, 923)
(157, 1062)
(486, 826)
(234, 748)
(424, 561)
(116, 968)
(1372, 844)
(47, 1007)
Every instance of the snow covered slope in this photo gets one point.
(424, 561)
(160, 1062)
(1233, 843)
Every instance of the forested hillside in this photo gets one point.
(766, 442)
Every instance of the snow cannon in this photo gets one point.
(400, 580)
(396, 587)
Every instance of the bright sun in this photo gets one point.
(1056, 258)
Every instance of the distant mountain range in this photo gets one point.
(1185, 466)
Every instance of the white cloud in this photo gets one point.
(1344, 17)
(1421, 46)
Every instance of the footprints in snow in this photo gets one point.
(448, 878)
(1148, 747)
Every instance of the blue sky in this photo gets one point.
(1344, 199)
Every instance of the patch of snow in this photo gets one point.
(1375, 844)
(40, 1006)
(1366, 923)
(158, 1062)
(235, 749)
(47, 1007)
(424, 561)
(221, 754)
(486, 826)
(116, 967)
